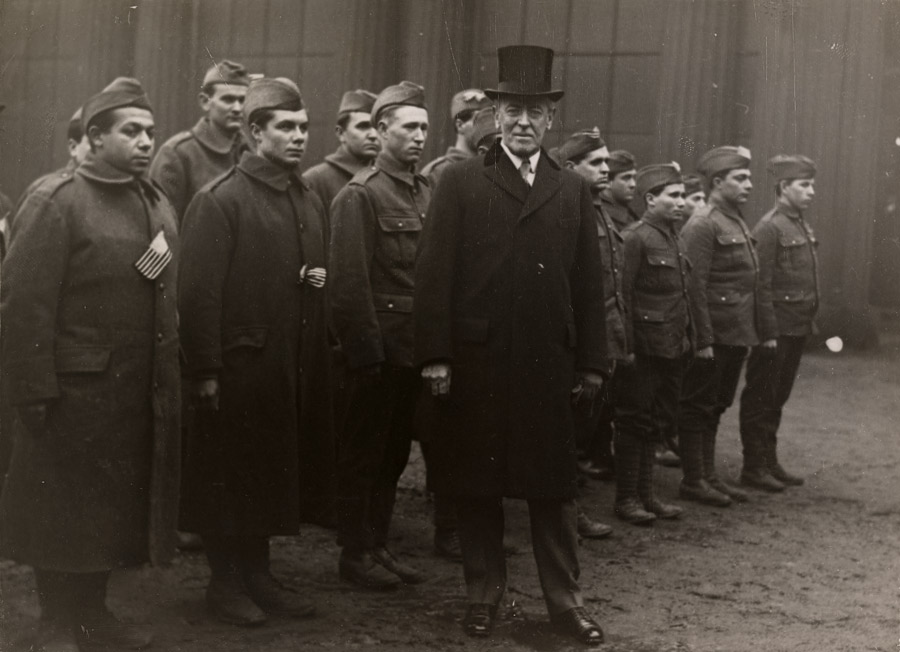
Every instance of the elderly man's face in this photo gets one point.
(523, 121)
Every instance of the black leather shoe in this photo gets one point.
(737, 495)
(55, 636)
(479, 620)
(631, 511)
(785, 478)
(760, 478)
(229, 601)
(589, 470)
(666, 457)
(590, 529)
(663, 510)
(446, 544)
(189, 542)
(576, 623)
(703, 493)
(103, 630)
(405, 572)
(276, 599)
(366, 573)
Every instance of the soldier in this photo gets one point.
(586, 154)
(463, 108)
(90, 359)
(253, 312)
(619, 193)
(78, 145)
(359, 147)
(724, 284)
(376, 222)
(485, 131)
(656, 286)
(509, 318)
(788, 301)
(191, 159)
(694, 198)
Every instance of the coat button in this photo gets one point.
(400, 224)
(422, 215)
(155, 385)
(390, 304)
(162, 286)
(159, 337)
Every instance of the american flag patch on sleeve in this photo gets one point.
(155, 259)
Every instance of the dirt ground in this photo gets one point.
(814, 569)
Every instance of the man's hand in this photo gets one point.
(705, 353)
(587, 389)
(438, 378)
(770, 347)
(205, 394)
(34, 418)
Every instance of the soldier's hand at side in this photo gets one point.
(770, 347)
(205, 394)
(438, 378)
(704, 353)
(34, 418)
(587, 389)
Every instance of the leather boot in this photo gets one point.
(54, 635)
(276, 599)
(628, 468)
(226, 594)
(701, 492)
(709, 472)
(775, 468)
(755, 472)
(645, 486)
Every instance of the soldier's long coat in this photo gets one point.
(267, 460)
(84, 331)
(509, 291)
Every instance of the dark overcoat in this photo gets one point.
(86, 332)
(331, 175)
(267, 459)
(509, 292)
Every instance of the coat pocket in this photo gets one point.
(82, 359)
(253, 337)
(724, 297)
(650, 316)
(392, 302)
(398, 237)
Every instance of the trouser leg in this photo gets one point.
(223, 554)
(444, 506)
(790, 352)
(696, 416)
(481, 542)
(757, 410)
(554, 539)
(254, 554)
(728, 362)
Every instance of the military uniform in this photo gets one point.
(435, 168)
(191, 159)
(328, 177)
(789, 299)
(621, 215)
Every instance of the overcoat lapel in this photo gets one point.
(546, 184)
(499, 169)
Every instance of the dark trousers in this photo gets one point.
(646, 403)
(236, 555)
(707, 391)
(770, 379)
(374, 450)
(554, 539)
(444, 506)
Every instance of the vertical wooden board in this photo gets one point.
(248, 27)
(214, 32)
(501, 24)
(486, 70)
(327, 26)
(638, 24)
(591, 27)
(322, 94)
(39, 125)
(586, 102)
(633, 106)
(643, 146)
(43, 29)
(285, 32)
(72, 29)
(290, 67)
(547, 23)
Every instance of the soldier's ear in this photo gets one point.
(568, 165)
(94, 136)
(203, 100)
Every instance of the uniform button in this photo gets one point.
(303, 322)
(300, 371)
(300, 227)
(723, 298)
(162, 286)
(422, 215)
(786, 296)
(400, 224)
(734, 239)
(390, 304)
(159, 337)
(155, 385)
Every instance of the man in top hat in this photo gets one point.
(90, 363)
(586, 153)
(376, 222)
(253, 307)
(788, 301)
(359, 147)
(619, 192)
(725, 286)
(510, 328)
(191, 159)
(656, 288)
(463, 107)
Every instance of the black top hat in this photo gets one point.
(525, 70)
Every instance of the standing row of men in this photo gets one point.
(488, 283)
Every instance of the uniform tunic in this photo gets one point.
(84, 331)
(435, 168)
(621, 215)
(328, 177)
(247, 319)
(191, 159)
(612, 255)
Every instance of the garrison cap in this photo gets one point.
(655, 176)
(272, 93)
(692, 183)
(406, 93)
(358, 101)
(579, 144)
(485, 126)
(620, 161)
(786, 166)
(723, 159)
(226, 72)
(470, 99)
(75, 126)
(121, 92)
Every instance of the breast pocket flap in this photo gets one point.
(253, 337)
(82, 359)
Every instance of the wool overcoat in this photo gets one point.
(509, 292)
(266, 460)
(84, 331)
(331, 175)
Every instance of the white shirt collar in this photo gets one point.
(517, 162)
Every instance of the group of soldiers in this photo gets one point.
(209, 340)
